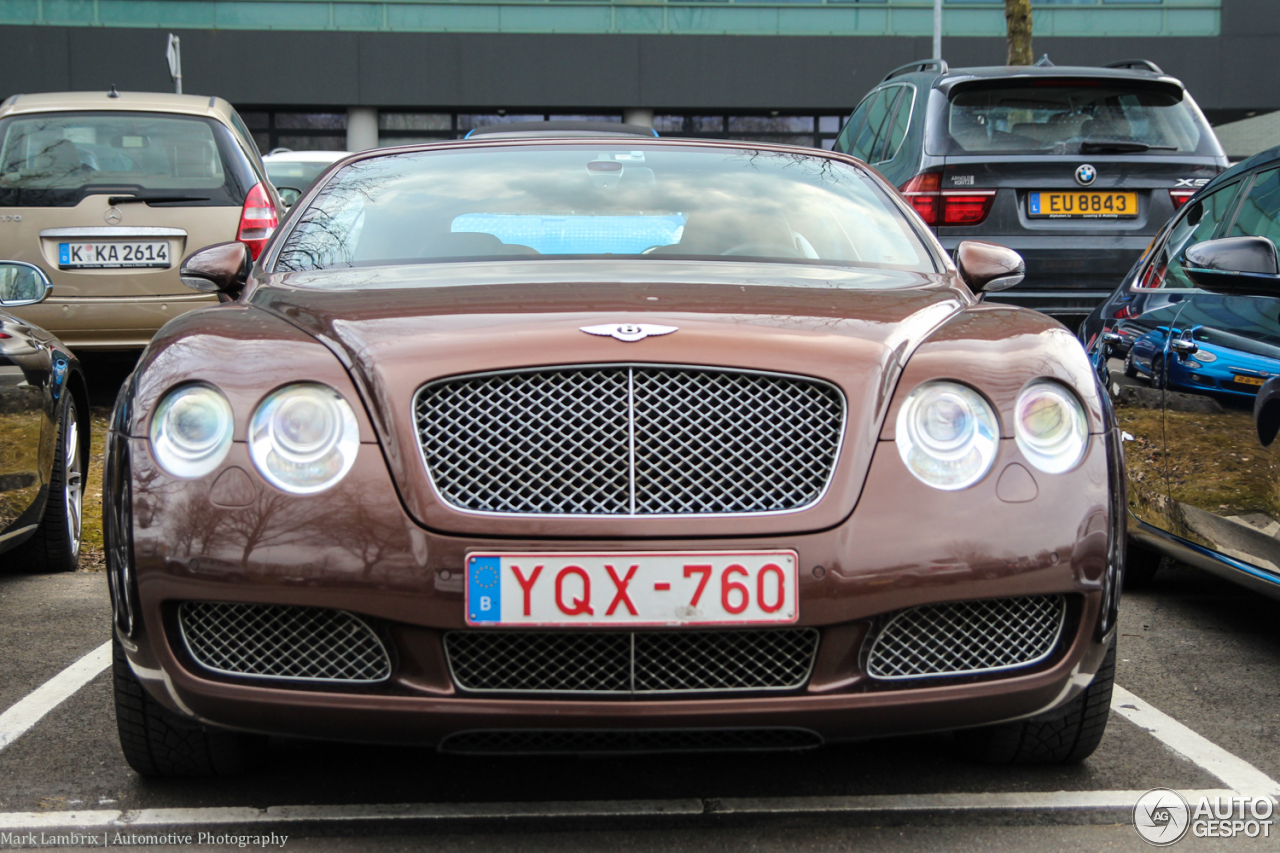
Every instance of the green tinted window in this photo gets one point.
(879, 112)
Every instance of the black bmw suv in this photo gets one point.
(1076, 168)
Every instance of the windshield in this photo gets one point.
(1073, 117)
(601, 201)
(56, 159)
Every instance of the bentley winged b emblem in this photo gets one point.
(629, 331)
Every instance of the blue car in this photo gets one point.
(1199, 318)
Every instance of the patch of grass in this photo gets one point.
(92, 556)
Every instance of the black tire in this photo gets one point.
(1140, 566)
(1130, 369)
(1157, 371)
(55, 546)
(158, 742)
(1063, 736)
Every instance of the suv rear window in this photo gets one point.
(1072, 117)
(56, 159)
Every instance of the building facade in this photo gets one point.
(357, 73)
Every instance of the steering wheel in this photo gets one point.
(764, 250)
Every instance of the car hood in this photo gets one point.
(397, 328)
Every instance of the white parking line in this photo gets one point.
(154, 820)
(1238, 774)
(27, 712)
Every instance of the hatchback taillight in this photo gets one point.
(1180, 197)
(258, 220)
(937, 206)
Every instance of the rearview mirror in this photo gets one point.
(988, 267)
(220, 268)
(1237, 266)
(22, 284)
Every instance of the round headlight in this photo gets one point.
(191, 430)
(947, 435)
(303, 438)
(1050, 427)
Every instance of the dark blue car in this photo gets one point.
(1189, 347)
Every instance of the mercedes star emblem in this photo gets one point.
(1086, 175)
(628, 331)
(113, 216)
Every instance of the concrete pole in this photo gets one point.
(644, 118)
(362, 128)
(937, 29)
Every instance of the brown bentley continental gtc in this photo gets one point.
(610, 445)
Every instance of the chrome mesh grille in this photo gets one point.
(629, 440)
(624, 663)
(294, 643)
(572, 741)
(967, 637)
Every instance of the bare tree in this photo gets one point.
(1017, 16)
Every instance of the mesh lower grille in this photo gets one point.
(629, 440)
(631, 663)
(526, 741)
(295, 643)
(967, 637)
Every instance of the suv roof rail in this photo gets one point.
(1138, 64)
(918, 65)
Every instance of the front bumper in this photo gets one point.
(354, 548)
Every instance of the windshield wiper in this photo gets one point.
(153, 199)
(1120, 146)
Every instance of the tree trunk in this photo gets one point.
(1017, 14)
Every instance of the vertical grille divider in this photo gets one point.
(631, 436)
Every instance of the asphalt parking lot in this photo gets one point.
(1199, 663)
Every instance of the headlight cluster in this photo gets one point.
(1050, 427)
(948, 434)
(303, 438)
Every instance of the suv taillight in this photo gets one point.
(937, 206)
(1180, 197)
(258, 220)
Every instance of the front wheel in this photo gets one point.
(1130, 369)
(1065, 735)
(158, 742)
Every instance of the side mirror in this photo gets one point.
(220, 268)
(1235, 266)
(988, 268)
(22, 284)
(289, 196)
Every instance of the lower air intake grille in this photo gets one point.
(967, 637)
(295, 643)
(628, 663)
(525, 741)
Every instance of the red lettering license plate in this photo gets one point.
(647, 588)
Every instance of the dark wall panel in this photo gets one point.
(470, 70)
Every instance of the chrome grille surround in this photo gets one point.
(628, 440)
(607, 741)
(621, 663)
(967, 637)
(285, 643)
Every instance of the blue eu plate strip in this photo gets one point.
(64, 253)
(1035, 204)
(484, 589)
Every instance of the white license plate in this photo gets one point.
(646, 588)
(113, 255)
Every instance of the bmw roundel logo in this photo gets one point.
(1086, 175)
